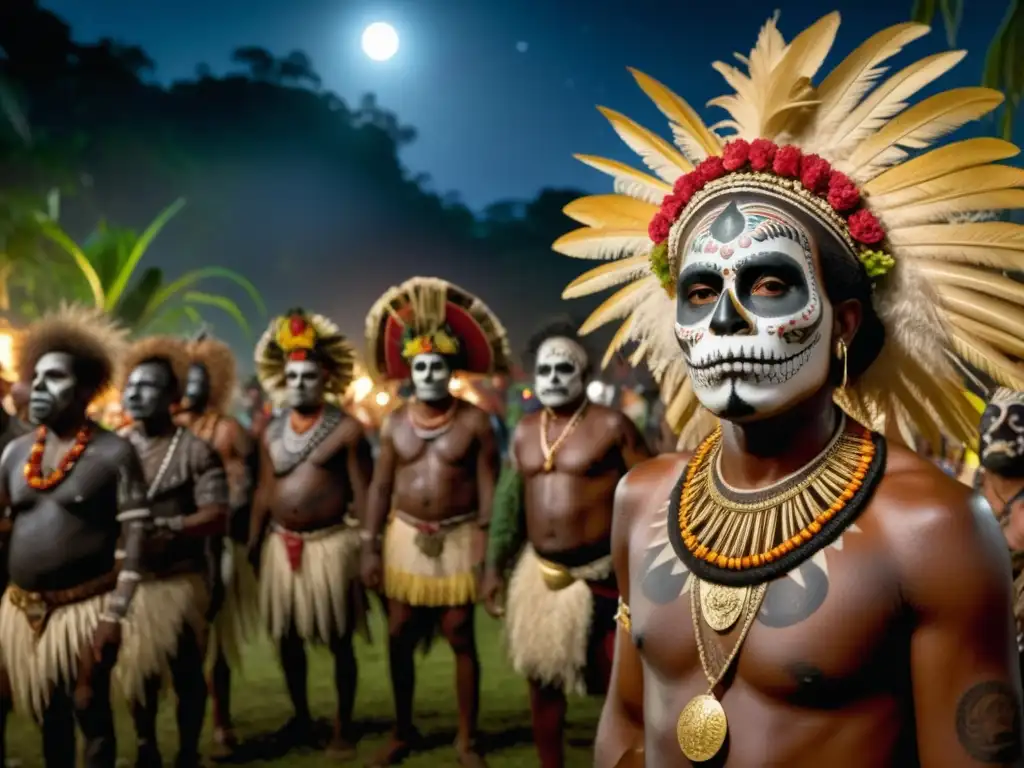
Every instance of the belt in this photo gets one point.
(37, 606)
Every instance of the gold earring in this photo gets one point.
(841, 352)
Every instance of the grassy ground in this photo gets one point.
(261, 706)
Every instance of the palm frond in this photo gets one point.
(120, 283)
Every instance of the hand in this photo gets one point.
(106, 642)
(172, 524)
(372, 569)
(492, 590)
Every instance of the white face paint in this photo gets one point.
(304, 384)
(1002, 433)
(53, 388)
(430, 377)
(558, 375)
(751, 314)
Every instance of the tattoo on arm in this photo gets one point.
(988, 723)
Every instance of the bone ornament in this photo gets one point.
(752, 318)
(558, 375)
(431, 376)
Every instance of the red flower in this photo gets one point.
(814, 173)
(710, 168)
(843, 194)
(736, 154)
(296, 324)
(864, 227)
(671, 206)
(687, 186)
(659, 227)
(787, 162)
(762, 154)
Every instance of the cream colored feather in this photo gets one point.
(937, 163)
(922, 123)
(629, 181)
(611, 211)
(620, 303)
(841, 91)
(1006, 343)
(692, 136)
(979, 255)
(591, 243)
(886, 100)
(978, 280)
(607, 275)
(991, 243)
(986, 358)
(620, 338)
(658, 155)
(943, 209)
(982, 178)
(985, 309)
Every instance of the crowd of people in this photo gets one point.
(793, 584)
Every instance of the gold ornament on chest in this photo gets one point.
(549, 450)
(721, 606)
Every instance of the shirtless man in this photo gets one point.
(433, 486)
(567, 460)
(73, 490)
(181, 586)
(208, 392)
(315, 468)
(802, 590)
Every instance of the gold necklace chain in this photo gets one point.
(702, 726)
(549, 451)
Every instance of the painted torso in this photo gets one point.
(67, 535)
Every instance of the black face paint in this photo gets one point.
(149, 392)
(197, 388)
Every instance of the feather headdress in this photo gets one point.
(429, 315)
(839, 150)
(221, 371)
(299, 335)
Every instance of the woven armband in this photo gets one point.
(508, 520)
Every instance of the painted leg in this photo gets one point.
(298, 731)
(59, 731)
(404, 631)
(547, 711)
(457, 628)
(93, 711)
(190, 688)
(342, 746)
(144, 714)
(224, 739)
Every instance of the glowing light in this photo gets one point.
(527, 394)
(595, 390)
(383, 398)
(380, 41)
(455, 384)
(7, 352)
(361, 387)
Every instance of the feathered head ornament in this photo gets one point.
(218, 361)
(839, 151)
(169, 350)
(428, 315)
(299, 335)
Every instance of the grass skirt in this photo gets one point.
(238, 618)
(415, 578)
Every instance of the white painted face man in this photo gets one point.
(53, 388)
(752, 317)
(558, 374)
(304, 384)
(431, 375)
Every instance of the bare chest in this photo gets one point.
(827, 633)
(585, 451)
(454, 447)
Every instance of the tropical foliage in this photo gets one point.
(105, 272)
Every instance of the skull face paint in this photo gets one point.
(558, 374)
(148, 392)
(53, 388)
(304, 384)
(751, 315)
(431, 375)
(1002, 434)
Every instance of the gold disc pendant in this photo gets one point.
(549, 463)
(721, 606)
(701, 728)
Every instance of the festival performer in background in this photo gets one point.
(208, 392)
(315, 469)
(73, 491)
(181, 586)
(793, 268)
(557, 495)
(999, 483)
(433, 486)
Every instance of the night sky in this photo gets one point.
(502, 93)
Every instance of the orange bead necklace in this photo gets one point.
(34, 466)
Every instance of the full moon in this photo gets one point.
(380, 41)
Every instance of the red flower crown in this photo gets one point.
(815, 175)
